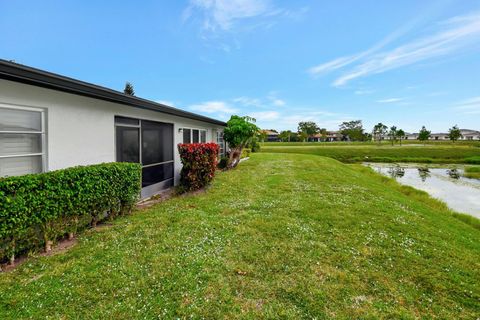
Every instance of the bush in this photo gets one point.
(199, 162)
(254, 145)
(39, 208)
(245, 153)
(223, 163)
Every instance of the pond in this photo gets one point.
(445, 183)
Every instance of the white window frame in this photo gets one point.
(199, 134)
(42, 133)
(222, 145)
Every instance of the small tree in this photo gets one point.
(285, 136)
(302, 136)
(129, 89)
(239, 132)
(353, 130)
(262, 135)
(307, 129)
(454, 133)
(424, 134)
(400, 135)
(324, 133)
(379, 130)
(393, 134)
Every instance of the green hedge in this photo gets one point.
(37, 209)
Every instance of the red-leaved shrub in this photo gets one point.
(199, 163)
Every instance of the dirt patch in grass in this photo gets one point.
(59, 248)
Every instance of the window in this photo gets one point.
(22, 141)
(221, 143)
(194, 135)
(128, 144)
(187, 136)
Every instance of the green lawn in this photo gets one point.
(472, 172)
(282, 236)
(431, 153)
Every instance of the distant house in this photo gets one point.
(272, 135)
(467, 134)
(411, 136)
(329, 137)
(439, 136)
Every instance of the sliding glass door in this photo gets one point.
(149, 143)
(157, 152)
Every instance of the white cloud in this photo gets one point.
(334, 64)
(248, 102)
(458, 33)
(453, 35)
(271, 100)
(469, 106)
(222, 14)
(213, 107)
(390, 100)
(274, 100)
(278, 102)
(341, 62)
(166, 102)
(265, 115)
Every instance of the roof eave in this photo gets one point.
(27, 75)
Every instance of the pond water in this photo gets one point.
(444, 183)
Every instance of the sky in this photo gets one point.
(406, 63)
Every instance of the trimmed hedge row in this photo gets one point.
(37, 209)
(199, 162)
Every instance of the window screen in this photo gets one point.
(221, 143)
(187, 135)
(195, 136)
(157, 142)
(21, 142)
(128, 144)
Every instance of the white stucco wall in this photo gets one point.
(81, 131)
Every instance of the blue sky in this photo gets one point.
(407, 63)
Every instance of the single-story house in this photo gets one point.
(411, 136)
(329, 136)
(271, 135)
(50, 122)
(468, 134)
(439, 136)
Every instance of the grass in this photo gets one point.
(283, 236)
(472, 172)
(351, 153)
(471, 143)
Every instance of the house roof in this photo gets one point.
(469, 131)
(270, 132)
(40, 78)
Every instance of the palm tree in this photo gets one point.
(400, 135)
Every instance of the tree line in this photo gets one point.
(354, 131)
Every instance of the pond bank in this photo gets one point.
(444, 182)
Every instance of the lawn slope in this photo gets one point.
(282, 236)
(432, 153)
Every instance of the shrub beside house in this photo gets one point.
(38, 209)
